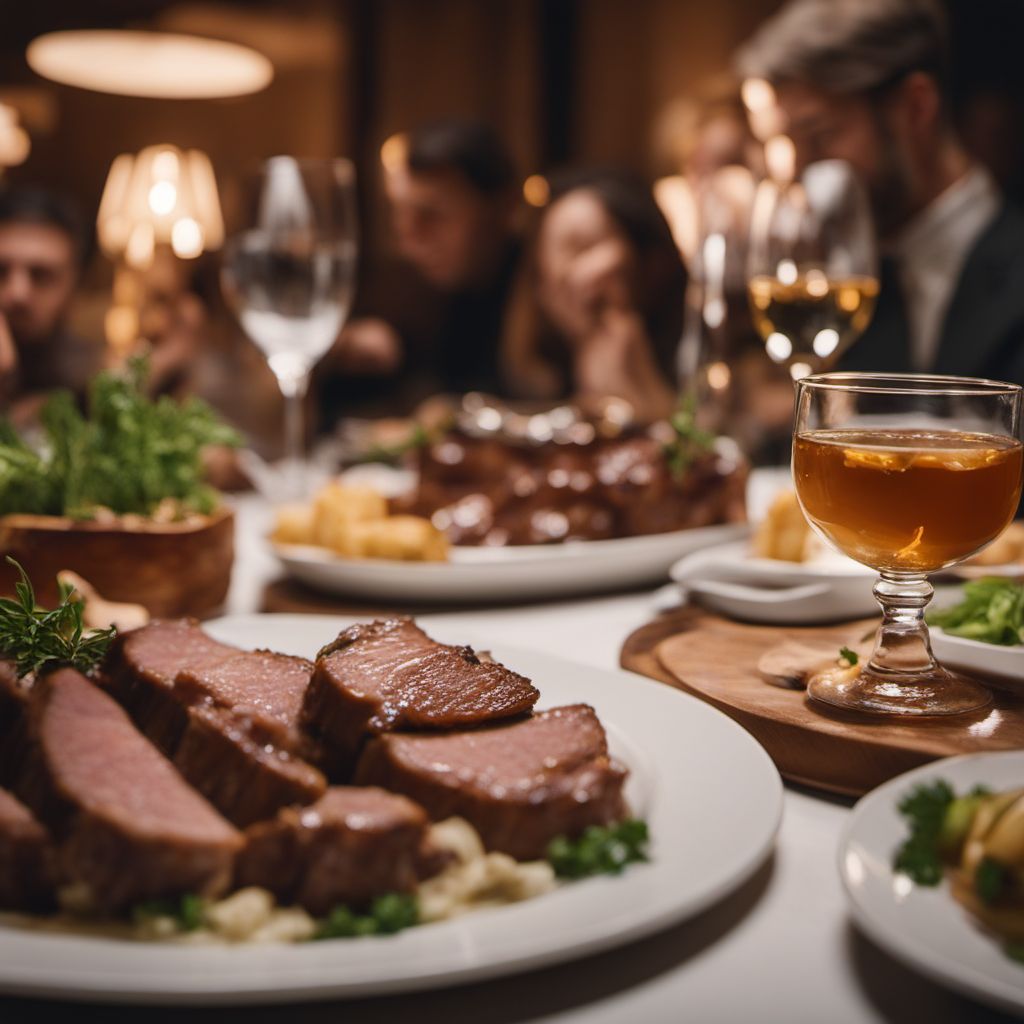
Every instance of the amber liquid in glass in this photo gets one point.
(907, 501)
(810, 305)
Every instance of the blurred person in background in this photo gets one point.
(455, 206)
(43, 248)
(866, 81)
(609, 284)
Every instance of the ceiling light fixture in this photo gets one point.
(159, 65)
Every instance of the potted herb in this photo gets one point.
(118, 496)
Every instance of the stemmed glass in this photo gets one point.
(812, 269)
(907, 474)
(289, 274)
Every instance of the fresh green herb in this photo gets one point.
(388, 914)
(849, 656)
(990, 877)
(992, 610)
(34, 638)
(187, 911)
(925, 810)
(690, 442)
(129, 454)
(419, 437)
(599, 850)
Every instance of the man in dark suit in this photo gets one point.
(866, 81)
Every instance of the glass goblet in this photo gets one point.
(907, 474)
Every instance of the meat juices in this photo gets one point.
(26, 858)
(228, 718)
(519, 785)
(390, 675)
(351, 845)
(126, 824)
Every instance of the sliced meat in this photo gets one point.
(127, 825)
(26, 858)
(228, 718)
(350, 846)
(264, 687)
(13, 702)
(518, 784)
(246, 778)
(390, 675)
(141, 668)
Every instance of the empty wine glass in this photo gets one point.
(289, 273)
(812, 270)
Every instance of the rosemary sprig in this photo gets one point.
(34, 638)
(690, 442)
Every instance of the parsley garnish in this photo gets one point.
(129, 454)
(599, 850)
(690, 441)
(849, 656)
(925, 810)
(388, 914)
(34, 638)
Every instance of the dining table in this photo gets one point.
(782, 947)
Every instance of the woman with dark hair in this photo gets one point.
(609, 285)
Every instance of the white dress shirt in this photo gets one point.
(931, 251)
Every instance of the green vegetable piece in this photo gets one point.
(599, 850)
(388, 914)
(992, 610)
(850, 657)
(34, 638)
(187, 911)
(990, 877)
(191, 912)
(956, 823)
(925, 810)
(394, 911)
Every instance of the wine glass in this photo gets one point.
(907, 474)
(812, 271)
(290, 276)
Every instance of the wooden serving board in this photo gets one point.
(716, 659)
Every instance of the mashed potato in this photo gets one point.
(473, 880)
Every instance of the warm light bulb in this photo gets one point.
(162, 197)
(186, 238)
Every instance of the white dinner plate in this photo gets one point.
(710, 794)
(925, 927)
(729, 579)
(521, 572)
(976, 656)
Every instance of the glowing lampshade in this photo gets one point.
(160, 196)
(155, 64)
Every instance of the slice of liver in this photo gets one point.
(353, 844)
(390, 675)
(247, 779)
(142, 665)
(519, 784)
(228, 718)
(127, 825)
(26, 858)
(13, 702)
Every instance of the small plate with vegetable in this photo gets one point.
(933, 866)
(984, 630)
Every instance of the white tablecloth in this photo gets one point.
(781, 949)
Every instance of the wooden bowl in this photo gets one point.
(171, 568)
